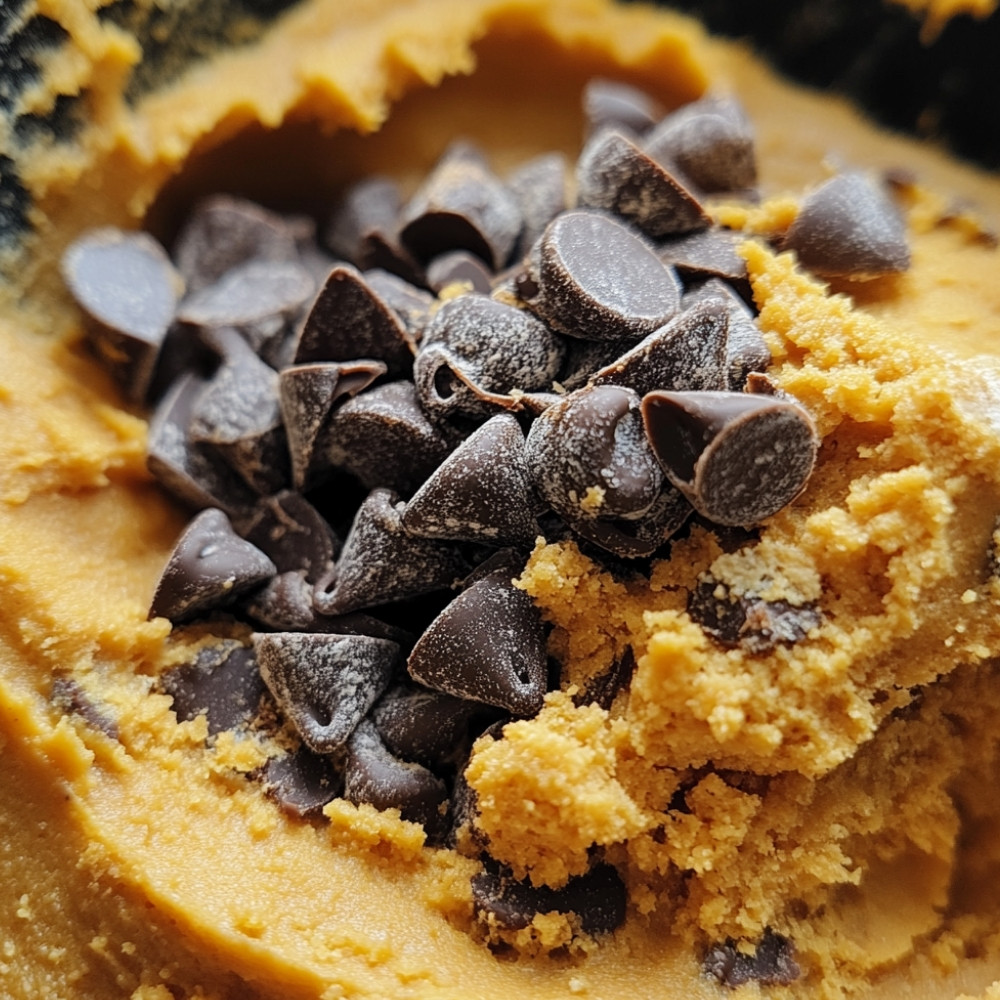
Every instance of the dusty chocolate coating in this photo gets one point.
(371, 205)
(772, 964)
(710, 253)
(302, 782)
(539, 188)
(411, 304)
(459, 267)
(209, 567)
(849, 227)
(613, 104)
(615, 174)
(325, 684)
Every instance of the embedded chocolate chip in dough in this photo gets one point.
(427, 727)
(307, 395)
(325, 683)
(209, 567)
(129, 290)
(603, 688)
(613, 104)
(382, 563)
(373, 775)
(738, 457)
(459, 268)
(539, 187)
(772, 963)
(69, 697)
(302, 782)
(369, 206)
(615, 174)
(481, 492)
(849, 227)
(689, 352)
(598, 898)
(488, 645)
(594, 279)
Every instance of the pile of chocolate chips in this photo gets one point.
(375, 426)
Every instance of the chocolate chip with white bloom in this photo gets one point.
(325, 684)
(613, 104)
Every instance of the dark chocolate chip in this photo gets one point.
(539, 187)
(849, 227)
(284, 603)
(487, 645)
(411, 304)
(480, 493)
(708, 254)
(462, 205)
(382, 563)
(427, 727)
(584, 358)
(209, 567)
(302, 782)
(373, 775)
(747, 620)
(127, 287)
(739, 458)
(605, 687)
(222, 683)
(385, 439)
(71, 699)
(689, 353)
(597, 898)
(348, 321)
(325, 683)
(711, 141)
(612, 104)
(461, 268)
(307, 395)
(224, 232)
(772, 964)
(614, 174)
(598, 281)
(369, 206)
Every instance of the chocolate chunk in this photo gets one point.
(325, 683)
(307, 395)
(614, 174)
(539, 188)
(375, 776)
(689, 352)
(605, 687)
(224, 232)
(849, 227)
(748, 620)
(127, 287)
(426, 727)
(588, 456)
(369, 206)
(384, 438)
(461, 268)
(462, 206)
(222, 683)
(382, 563)
(71, 699)
(348, 321)
(708, 254)
(238, 415)
(209, 567)
(189, 470)
(412, 305)
(584, 358)
(480, 493)
(739, 458)
(772, 964)
(293, 534)
(597, 281)
(489, 346)
(487, 645)
(612, 104)
(302, 782)
(711, 141)
(598, 898)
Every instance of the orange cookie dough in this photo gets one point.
(835, 791)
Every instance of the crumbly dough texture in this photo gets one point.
(835, 790)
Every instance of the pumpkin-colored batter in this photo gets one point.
(848, 805)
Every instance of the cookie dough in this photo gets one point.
(828, 792)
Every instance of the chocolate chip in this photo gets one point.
(302, 782)
(462, 205)
(772, 964)
(487, 645)
(427, 727)
(739, 458)
(412, 305)
(708, 254)
(307, 395)
(325, 684)
(209, 567)
(222, 683)
(598, 281)
(747, 620)
(459, 268)
(382, 563)
(385, 439)
(598, 898)
(71, 699)
(284, 603)
(605, 687)
(711, 141)
(612, 104)
(584, 358)
(849, 227)
(127, 287)
(224, 232)
(375, 776)
(539, 188)
(614, 174)
(369, 206)
(689, 352)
